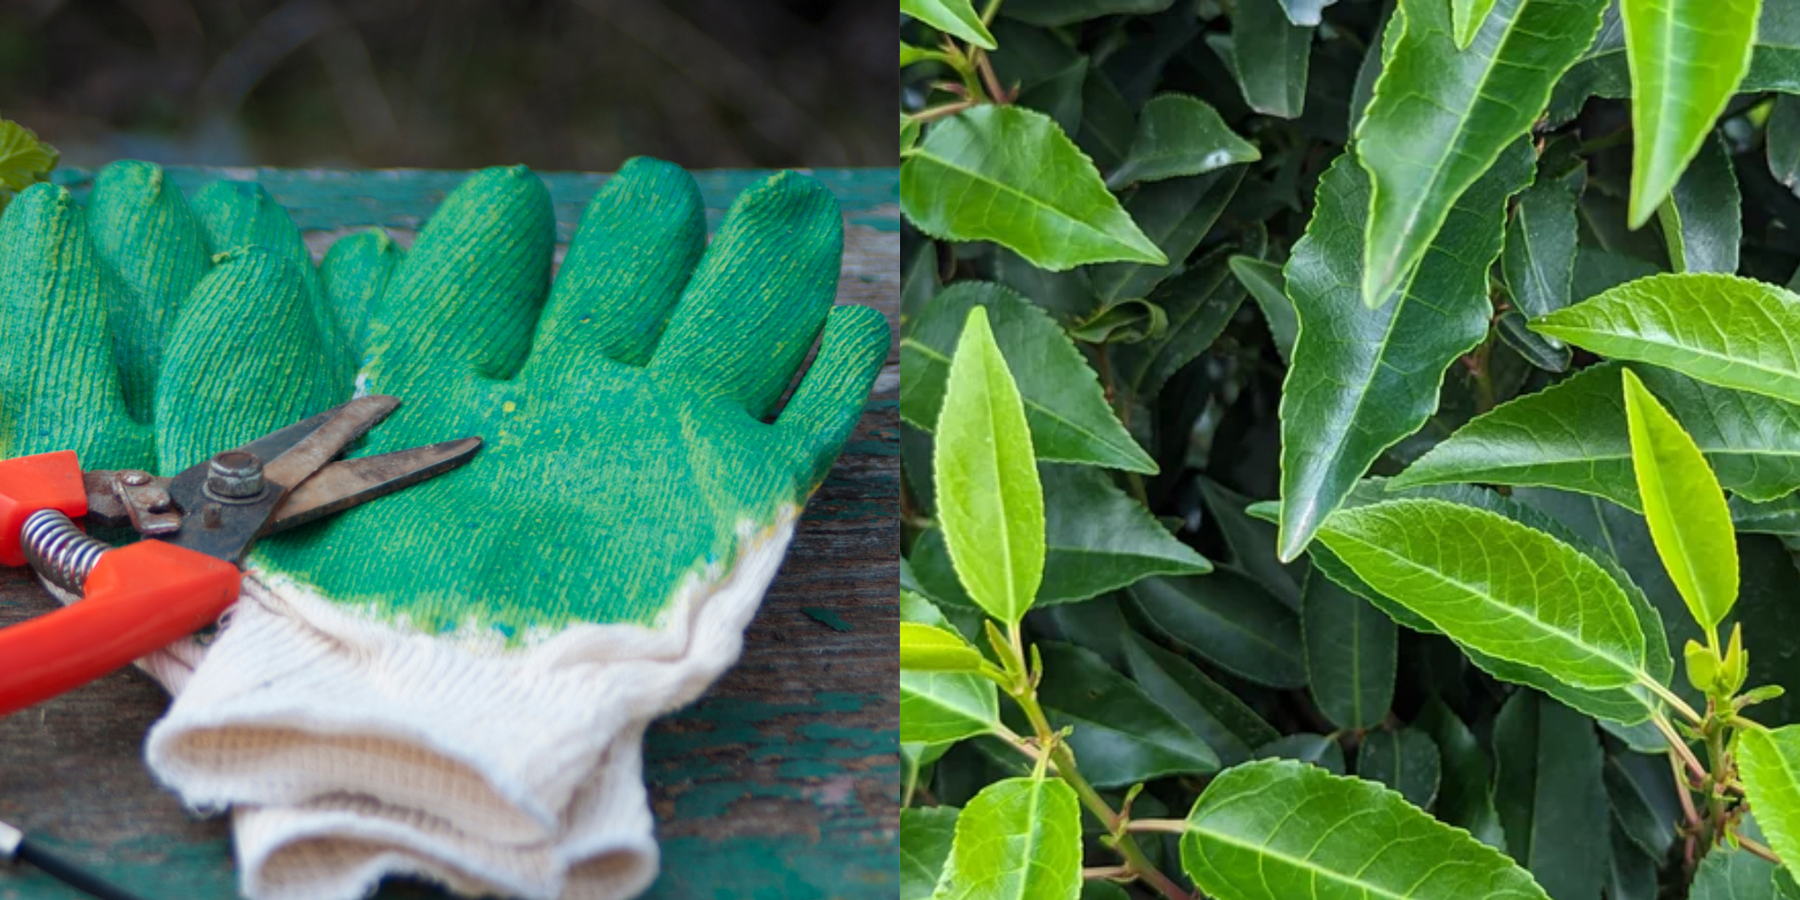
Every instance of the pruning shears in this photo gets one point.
(200, 523)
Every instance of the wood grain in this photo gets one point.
(782, 782)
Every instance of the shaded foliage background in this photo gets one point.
(555, 84)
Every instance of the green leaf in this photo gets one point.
(1176, 215)
(1548, 354)
(937, 707)
(1782, 145)
(1539, 263)
(1405, 760)
(1727, 874)
(1314, 749)
(1229, 620)
(1630, 873)
(1720, 329)
(927, 648)
(1107, 120)
(1548, 793)
(1494, 585)
(1230, 728)
(1019, 839)
(1200, 303)
(1268, 55)
(1643, 799)
(1064, 405)
(1010, 175)
(1574, 436)
(1702, 220)
(1305, 12)
(990, 504)
(1098, 539)
(1279, 830)
(1051, 13)
(1686, 59)
(1769, 764)
(24, 160)
(1350, 652)
(1122, 322)
(1363, 379)
(956, 17)
(1441, 117)
(925, 836)
(1685, 507)
(1778, 517)
(1059, 96)
(1264, 282)
(1179, 134)
(1466, 16)
(1120, 735)
(1252, 543)
(1465, 793)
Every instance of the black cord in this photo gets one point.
(68, 873)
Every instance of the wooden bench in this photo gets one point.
(781, 783)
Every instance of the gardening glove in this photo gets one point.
(462, 658)
(133, 332)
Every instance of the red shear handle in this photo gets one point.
(138, 598)
(31, 483)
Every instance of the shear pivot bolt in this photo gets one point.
(234, 475)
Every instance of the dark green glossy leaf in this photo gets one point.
(1603, 71)
(1233, 730)
(1465, 797)
(1779, 517)
(1548, 794)
(1059, 96)
(1573, 436)
(1548, 354)
(1405, 760)
(1009, 175)
(1178, 134)
(1121, 736)
(1098, 539)
(1107, 121)
(1630, 872)
(1539, 265)
(925, 836)
(1066, 12)
(1314, 749)
(1350, 653)
(1727, 874)
(1441, 117)
(1268, 54)
(1783, 141)
(1305, 12)
(1252, 543)
(1200, 303)
(1069, 417)
(1122, 322)
(1264, 282)
(1229, 620)
(1642, 792)
(1703, 220)
(1362, 379)
(1019, 839)
(1175, 214)
(957, 17)
(1281, 830)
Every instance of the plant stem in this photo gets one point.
(938, 112)
(1679, 748)
(1670, 697)
(1758, 849)
(992, 10)
(1163, 826)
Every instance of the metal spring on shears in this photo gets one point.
(60, 551)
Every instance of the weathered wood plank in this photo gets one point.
(782, 782)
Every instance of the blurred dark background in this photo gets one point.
(554, 84)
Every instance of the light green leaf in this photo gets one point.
(1350, 652)
(1494, 585)
(925, 837)
(1727, 874)
(1280, 830)
(1010, 175)
(926, 648)
(1769, 764)
(1720, 329)
(1019, 839)
(1686, 59)
(1098, 539)
(1364, 378)
(1685, 508)
(1548, 793)
(936, 707)
(1703, 220)
(1064, 405)
(1231, 621)
(1264, 282)
(1406, 760)
(1268, 54)
(1467, 16)
(957, 17)
(24, 160)
(1441, 117)
(1604, 72)
(990, 504)
(1232, 729)
(1179, 134)
(1120, 736)
(1574, 436)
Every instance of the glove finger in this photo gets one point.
(58, 387)
(355, 271)
(826, 406)
(759, 296)
(236, 214)
(639, 240)
(245, 357)
(144, 233)
(467, 295)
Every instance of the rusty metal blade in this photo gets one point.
(342, 485)
(350, 421)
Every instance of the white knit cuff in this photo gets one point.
(301, 699)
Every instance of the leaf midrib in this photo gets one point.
(922, 153)
(1569, 331)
